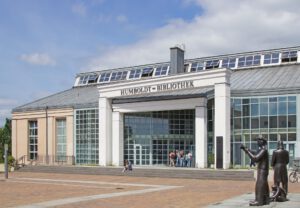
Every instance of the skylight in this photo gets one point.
(246, 61)
(104, 77)
(135, 74)
(92, 78)
(271, 58)
(121, 75)
(83, 80)
(212, 64)
(161, 71)
(289, 56)
(228, 63)
(197, 66)
(147, 72)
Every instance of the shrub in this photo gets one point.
(210, 158)
(11, 161)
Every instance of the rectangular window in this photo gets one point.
(135, 74)
(87, 136)
(147, 72)
(83, 80)
(197, 66)
(289, 56)
(246, 61)
(161, 71)
(61, 140)
(116, 76)
(33, 140)
(212, 64)
(104, 77)
(92, 78)
(228, 63)
(271, 58)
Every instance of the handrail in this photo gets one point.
(21, 159)
(43, 160)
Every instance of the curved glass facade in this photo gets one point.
(271, 117)
(150, 136)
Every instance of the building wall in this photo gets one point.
(20, 132)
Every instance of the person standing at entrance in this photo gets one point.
(181, 158)
(189, 157)
(172, 158)
(177, 158)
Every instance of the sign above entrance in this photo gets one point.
(158, 88)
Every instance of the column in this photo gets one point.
(105, 141)
(14, 147)
(70, 142)
(117, 139)
(222, 120)
(201, 136)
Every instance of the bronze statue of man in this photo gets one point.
(280, 159)
(262, 160)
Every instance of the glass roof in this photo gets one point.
(232, 61)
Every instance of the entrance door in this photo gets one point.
(137, 154)
(219, 152)
(141, 154)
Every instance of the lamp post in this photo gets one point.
(5, 160)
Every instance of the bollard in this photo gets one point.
(5, 161)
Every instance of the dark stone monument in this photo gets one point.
(280, 159)
(261, 158)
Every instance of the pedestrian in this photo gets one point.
(178, 158)
(172, 158)
(181, 158)
(189, 159)
(127, 166)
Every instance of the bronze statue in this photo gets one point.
(280, 159)
(262, 160)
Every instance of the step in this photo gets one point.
(190, 173)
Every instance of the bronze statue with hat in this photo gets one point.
(261, 157)
(280, 159)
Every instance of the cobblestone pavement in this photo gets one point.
(70, 190)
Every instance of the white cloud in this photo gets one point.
(107, 18)
(79, 9)
(121, 18)
(38, 59)
(223, 27)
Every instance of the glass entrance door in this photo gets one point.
(137, 154)
(141, 154)
(162, 147)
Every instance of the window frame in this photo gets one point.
(34, 137)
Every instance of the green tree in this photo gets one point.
(5, 138)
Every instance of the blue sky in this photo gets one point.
(45, 43)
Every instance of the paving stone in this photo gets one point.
(104, 191)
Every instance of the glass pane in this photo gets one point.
(292, 108)
(254, 110)
(263, 109)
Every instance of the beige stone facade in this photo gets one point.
(20, 133)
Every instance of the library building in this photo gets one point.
(200, 110)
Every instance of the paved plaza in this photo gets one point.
(70, 190)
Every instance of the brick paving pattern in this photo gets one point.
(25, 188)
